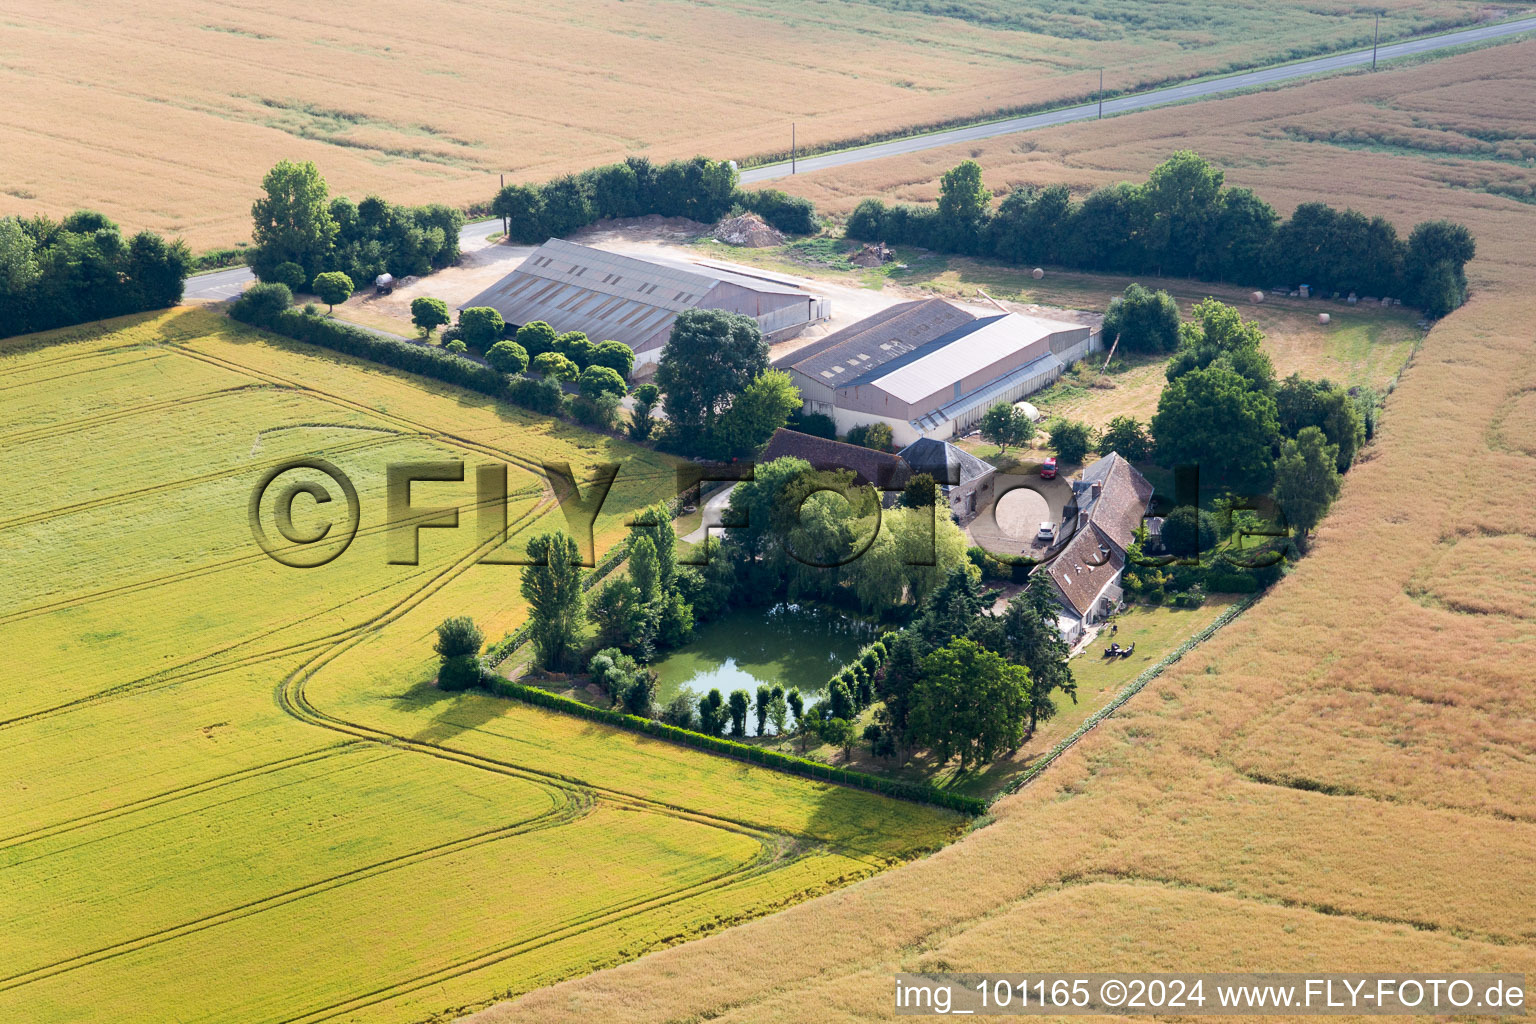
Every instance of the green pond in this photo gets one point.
(748, 648)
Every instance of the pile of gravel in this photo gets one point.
(748, 230)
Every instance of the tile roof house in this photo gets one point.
(964, 480)
(611, 296)
(882, 469)
(929, 368)
(1110, 498)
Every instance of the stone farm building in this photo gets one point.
(964, 480)
(882, 469)
(609, 296)
(929, 368)
(1109, 501)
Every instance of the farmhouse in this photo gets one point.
(929, 368)
(609, 296)
(965, 481)
(1109, 501)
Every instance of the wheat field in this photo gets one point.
(233, 791)
(1342, 779)
(166, 115)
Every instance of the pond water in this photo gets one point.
(747, 648)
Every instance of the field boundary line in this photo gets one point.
(1130, 690)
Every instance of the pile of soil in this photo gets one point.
(872, 256)
(748, 230)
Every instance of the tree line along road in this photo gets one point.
(226, 284)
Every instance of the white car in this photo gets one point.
(1047, 532)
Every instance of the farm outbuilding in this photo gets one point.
(611, 296)
(929, 368)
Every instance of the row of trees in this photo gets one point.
(300, 232)
(57, 273)
(700, 189)
(1182, 222)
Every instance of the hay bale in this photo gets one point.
(748, 230)
(1322, 318)
(1037, 273)
(1256, 297)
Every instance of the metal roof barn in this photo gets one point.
(610, 296)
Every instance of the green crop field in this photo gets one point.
(232, 790)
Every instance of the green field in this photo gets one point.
(232, 790)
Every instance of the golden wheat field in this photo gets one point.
(165, 115)
(1343, 778)
(232, 790)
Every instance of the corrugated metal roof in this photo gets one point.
(876, 340)
(987, 393)
(950, 359)
(608, 295)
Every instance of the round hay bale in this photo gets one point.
(1256, 297)
(1037, 273)
(1322, 318)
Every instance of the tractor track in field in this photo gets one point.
(178, 793)
(53, 430)
(569, 807)
(148, 357)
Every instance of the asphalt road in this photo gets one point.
(226, 284)
(1144, 100)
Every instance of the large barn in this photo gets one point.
(609, 296)
(930, 368)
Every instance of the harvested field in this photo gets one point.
(424, 104)
(1340, 780)
(233, 790)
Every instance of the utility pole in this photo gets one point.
(1376, 38)
(791, 147)
(1101, 93)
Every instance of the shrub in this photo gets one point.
(600, 411)
(576, 347)
(507, 357)
(261, 302)
(1071, 441)
(290, 274)
(615, 355)
(480, 326)
(872, 435)
(817, 424)
(458, 636)
(457, 346)
(601, 380)
(1188, 531)
(792, 215)
(536, 338)
(539, 395)
(555, 366)
(459, 673)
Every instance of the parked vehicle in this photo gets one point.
(1047, 533)
(1048, 469)
(384, 284)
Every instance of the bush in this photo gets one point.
(817, 424)
(1071, 441)
(555, 366)
(536, 338)
(872, 435)
(600, 411)
(1188, 531)
(539, 395)
(792, 215)
(507, 357)
(615, 355)
(458, 636)
(576, 347)
(601, 380)
(290, 274)
(261, 302)
(480, 326)
(457, 347)
(459, 673)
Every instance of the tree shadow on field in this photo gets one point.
(451, 712)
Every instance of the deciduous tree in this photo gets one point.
(557, 610)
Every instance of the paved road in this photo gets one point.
(1144, 100)
(226, 284)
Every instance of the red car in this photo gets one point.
(1048, 469)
